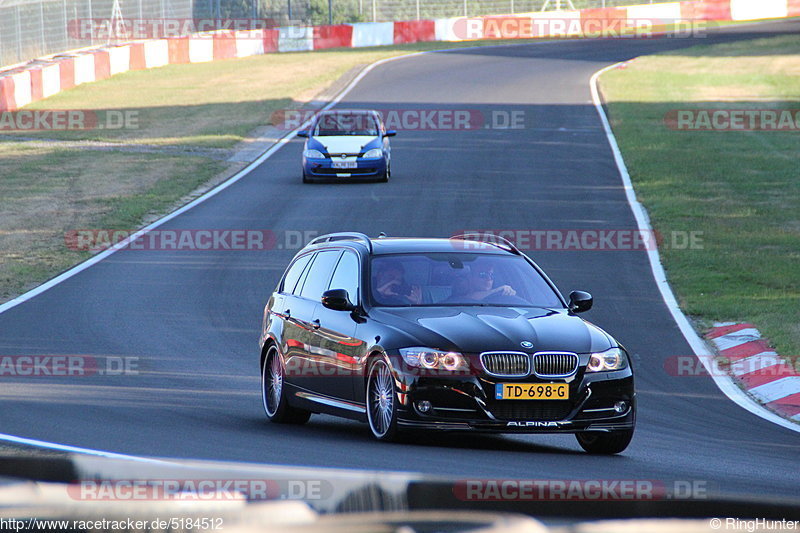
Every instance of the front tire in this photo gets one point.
(381, 401)
(599, 443)
(387, 174)
(273, 392)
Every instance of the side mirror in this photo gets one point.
(303, 134)
(579, 301)
(390, 133)
(337, 299)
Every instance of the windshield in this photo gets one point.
(458, 279)
(340, 123)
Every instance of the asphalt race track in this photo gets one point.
(192, 318)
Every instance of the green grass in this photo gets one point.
(215, 104)
(740, 189)
(46, 192)
(49, 189)
(747, 271)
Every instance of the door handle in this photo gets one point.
(288, 313)
(315, 323)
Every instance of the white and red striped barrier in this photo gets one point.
(22, 87)
(119, 59)
(744, 10)
(666, 11)
(251, 43)
(84, 68)
(201, 49)
(295, 39)
(40, 79)
(415, 31)
(156, 53)
(372, 34)
(758, 369)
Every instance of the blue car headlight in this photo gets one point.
(313, 154)
(375, 153)
(613, 359)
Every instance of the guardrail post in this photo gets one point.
(41, 28)
(19, 35)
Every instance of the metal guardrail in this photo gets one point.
(35, 28)
(30, 28)
(387, 10)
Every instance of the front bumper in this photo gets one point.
(324, 168)
(467, 403)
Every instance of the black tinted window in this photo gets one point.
(455, 279)
(319, 274)
(294, 273)
(346, 276)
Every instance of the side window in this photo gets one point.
(319, 274)
(294, 273)
(346, 275)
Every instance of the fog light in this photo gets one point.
(424, 406)
(620, 407)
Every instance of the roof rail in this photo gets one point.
(343, 236)
(494, 240)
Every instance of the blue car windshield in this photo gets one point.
(343, 123)
(458, 279)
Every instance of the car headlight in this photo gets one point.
(375, 153)
(613, 359)
(313, 154)
(431, 359)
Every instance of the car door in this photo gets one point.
(339, 349)
(296, 315)
(303, 367)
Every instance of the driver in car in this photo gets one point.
(481, 283)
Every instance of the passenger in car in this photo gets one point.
(391, 287)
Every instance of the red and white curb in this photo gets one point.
(758, 369)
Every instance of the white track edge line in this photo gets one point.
(77, 449)
(274, 148)
(233, 179)
(725, 384)
(102, 255)
(213, 192)
(219, 188)
(727, 387)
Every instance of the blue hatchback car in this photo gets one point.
(347, 144)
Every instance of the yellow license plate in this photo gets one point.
(531, 391)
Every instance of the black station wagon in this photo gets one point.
(440, 334)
